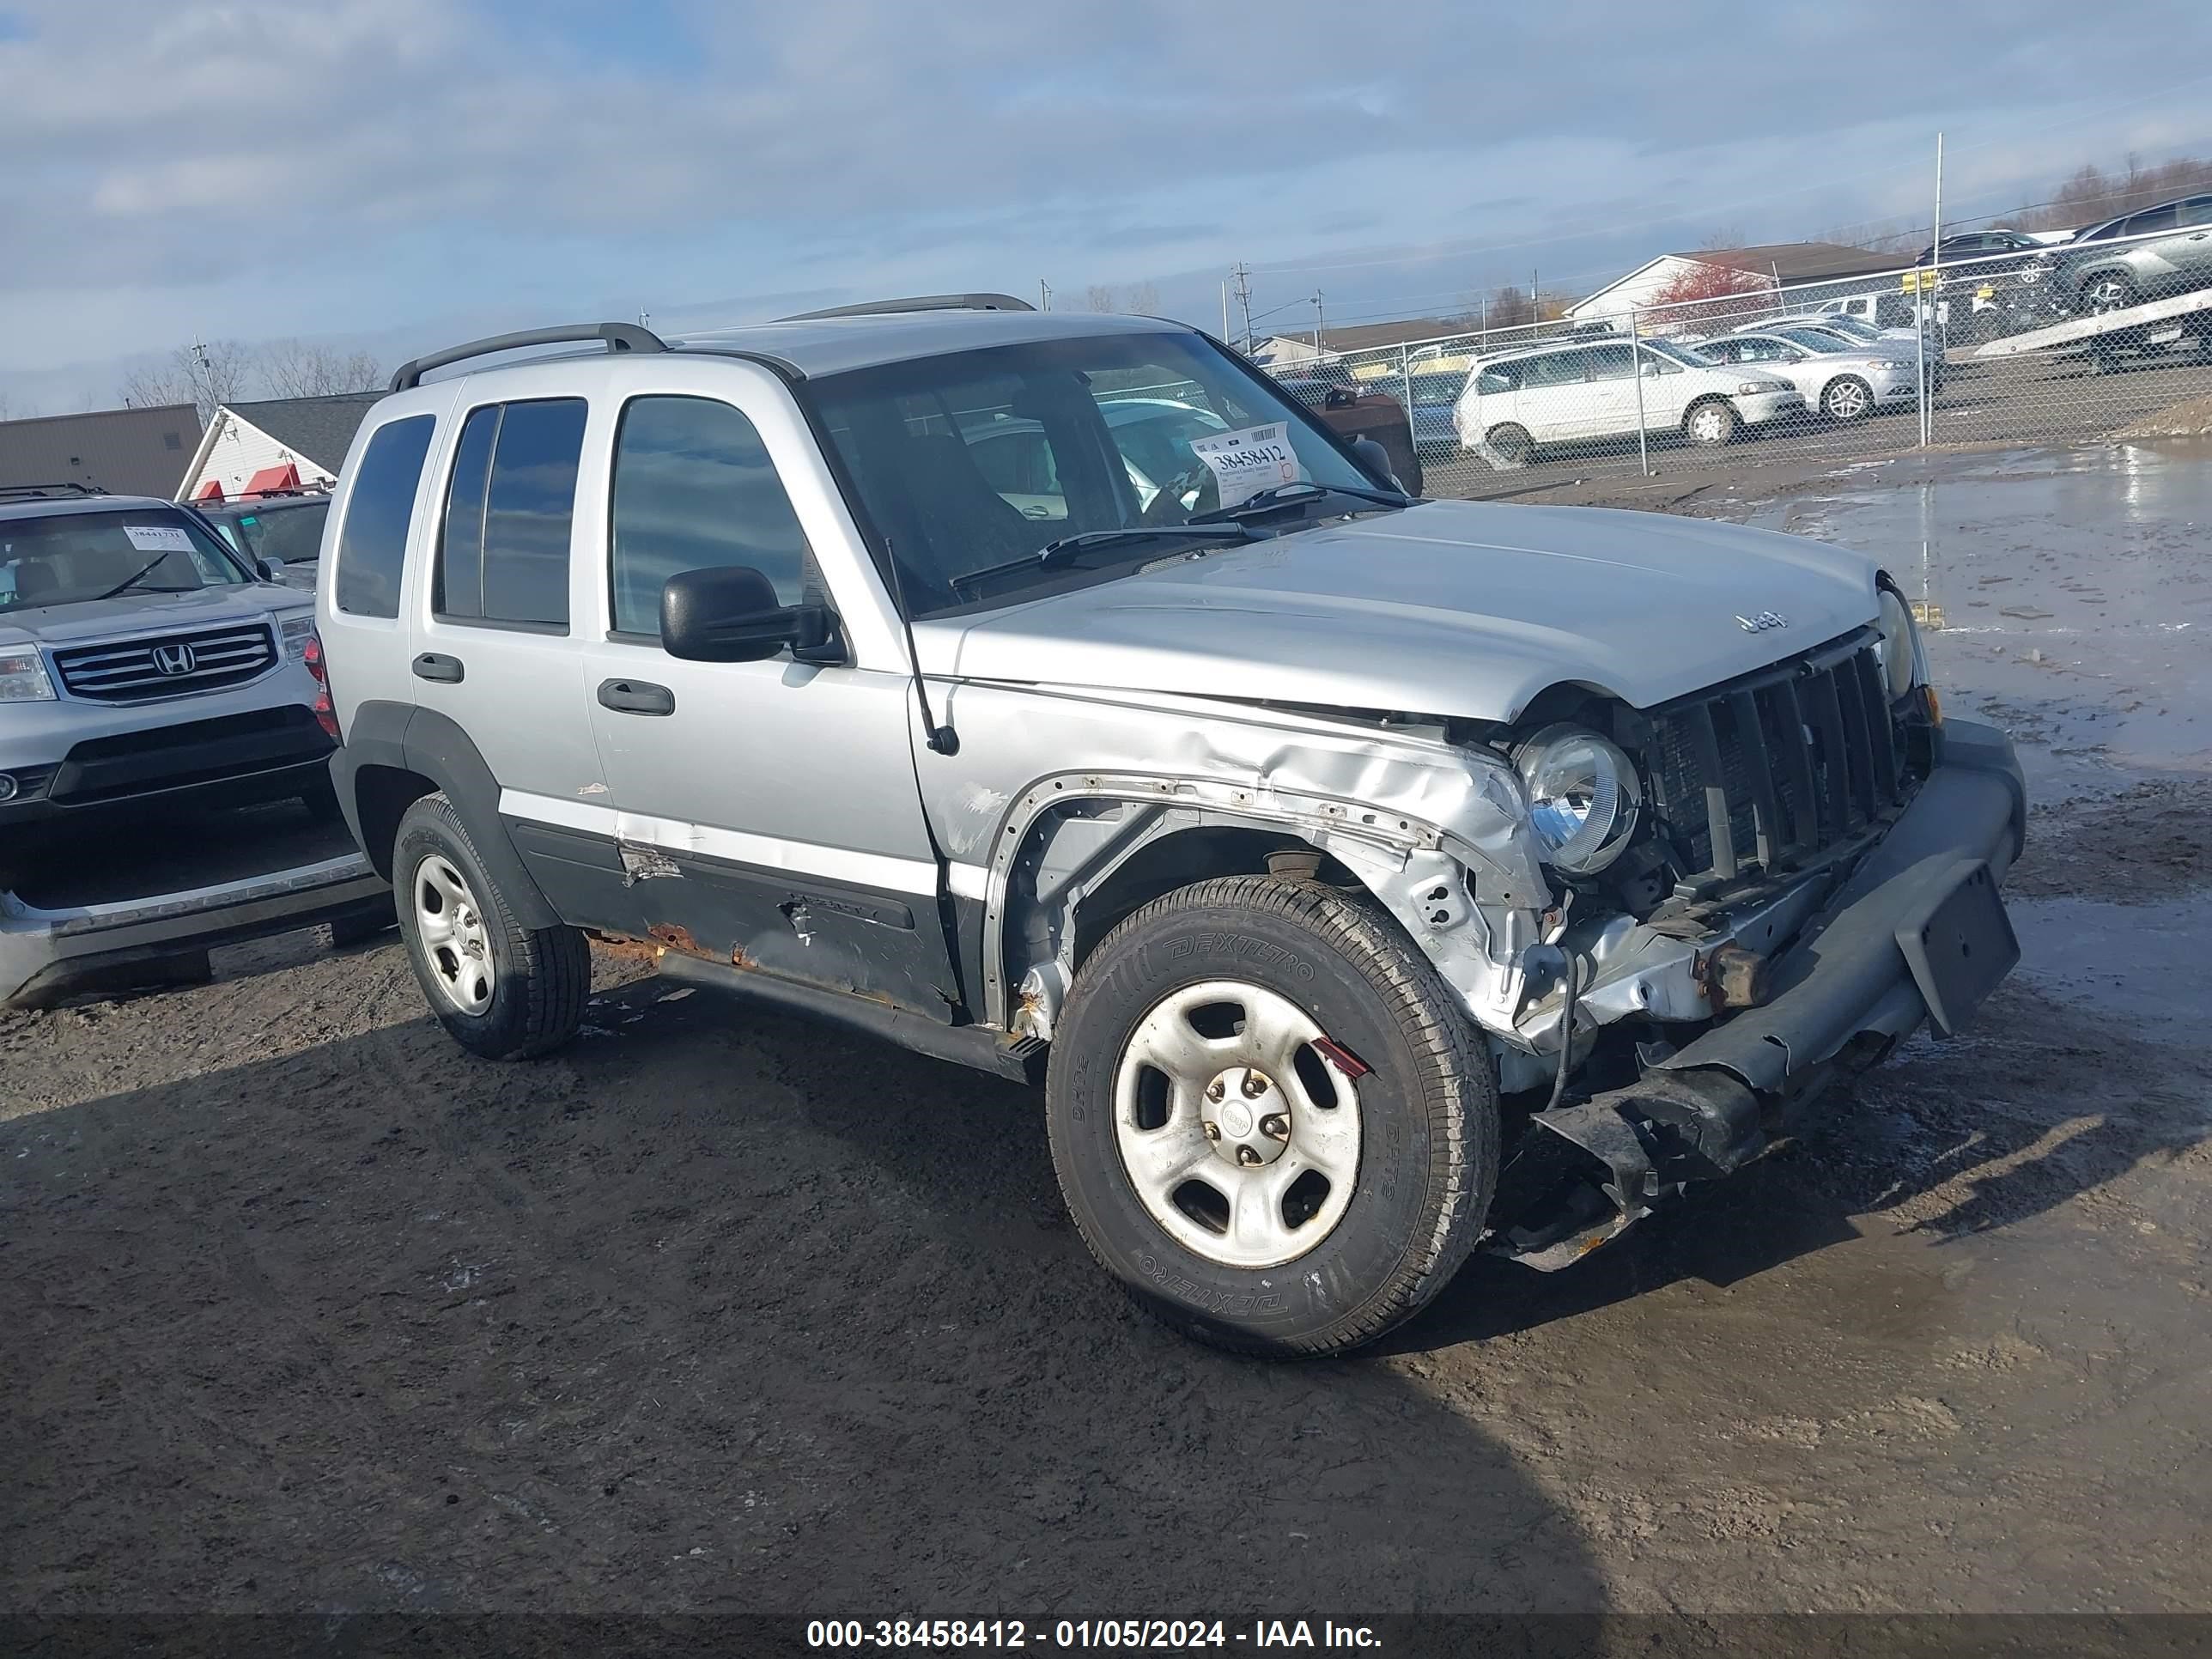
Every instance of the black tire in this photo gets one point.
(1512, 445)
(1428, 1118)
(542, 977)
(1853, 394)
(1724, 430)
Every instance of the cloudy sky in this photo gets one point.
(384, 171)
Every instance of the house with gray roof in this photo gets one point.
(277, 443)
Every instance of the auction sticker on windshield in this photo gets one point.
(158, 538)
(1246, 462)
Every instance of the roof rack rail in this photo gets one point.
(619, 337)
(24, 492)
(919, 302)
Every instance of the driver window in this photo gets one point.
(694, 488)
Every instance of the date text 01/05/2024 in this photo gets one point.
(1123, 1633)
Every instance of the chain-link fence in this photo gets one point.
(2071, 341)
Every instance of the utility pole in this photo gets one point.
(1320, 321)
(1224, 307)
(644, 317)
(1243, 273)
(1045, 294)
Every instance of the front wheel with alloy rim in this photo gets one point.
(1847, 399)
(502, 990)
(1711, 423)
(1269, 1117)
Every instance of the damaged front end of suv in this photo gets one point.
(1674, 925)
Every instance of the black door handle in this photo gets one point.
(636, 697)
(435, 665)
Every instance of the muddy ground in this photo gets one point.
(304, 1310)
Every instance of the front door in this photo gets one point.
(766, 813)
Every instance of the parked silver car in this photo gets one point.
(147, 671)
(1842, 384)
(2151, 254)
(1364, 877)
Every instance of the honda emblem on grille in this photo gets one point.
(175, 658)
(1762, 622)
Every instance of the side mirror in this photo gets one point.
(731, 614)
(1377, 460)
(269, 570)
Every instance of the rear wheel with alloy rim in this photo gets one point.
(1511, 445)
(1268, 1116)
(502, 990)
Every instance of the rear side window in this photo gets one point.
(1611, 362)
(373, 545)
(1564, 368)
(503, 553)
(694, 489)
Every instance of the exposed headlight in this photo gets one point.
(1889, 363)
(1899, 645)
(1584, 796)
(298, 630)
(23, 678)
(1760, 388)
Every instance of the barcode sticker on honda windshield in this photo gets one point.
(158, 538)
(1247, 462)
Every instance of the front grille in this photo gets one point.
(1774, 770)
(168, 665)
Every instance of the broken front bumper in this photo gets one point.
(1916, 932)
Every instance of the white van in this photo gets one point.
(1520, 402)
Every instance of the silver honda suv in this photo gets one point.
(144, 667)
(1364, 878)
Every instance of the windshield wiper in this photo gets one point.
(1282, 495)
(1054, 554)
(131, 580)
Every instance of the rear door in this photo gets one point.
(1612, 403)
(493, 648)
(2193, 250)
(766, 812)
(1553, 402)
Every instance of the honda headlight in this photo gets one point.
(1899, 645)
(1583, 797)
(1890, 363)
(23, 678)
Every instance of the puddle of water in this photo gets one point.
(2141, 962)
(2068, 595)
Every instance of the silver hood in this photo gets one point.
(139, 612)
(1458, 608)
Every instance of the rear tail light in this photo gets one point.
(326, 714)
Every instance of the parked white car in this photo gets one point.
(1842, 385)
(1520, 402)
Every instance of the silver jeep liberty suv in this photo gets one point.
(1365, 877)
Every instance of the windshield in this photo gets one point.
(291, 533)
(75, 557)
(1683, 355)
(977, 458)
